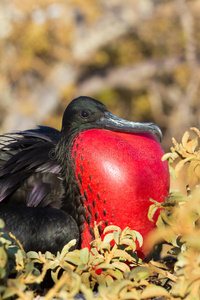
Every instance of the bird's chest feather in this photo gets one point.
(117, 174)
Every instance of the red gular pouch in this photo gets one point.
(117, 174)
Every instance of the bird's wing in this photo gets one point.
(29, 171)
(38, 228)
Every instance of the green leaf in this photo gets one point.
(111, 228)
(123, 254)
(117, 274)
(29, 267)
(129, 242)
(66, 248)
(53, 264)
(109, 279)
(84, 255)
(2, 272)
(2, 224)
(98, 260)
(101, 281)
(105, 266)
(86, 279)
(48, 255)
(140, 273)
(152, 210)
(75, 260)
(138, 237)
(121, 266)
(54, 274)
(118, 285)
(170, 155)
(109, 237)
(129, 295)
(32, 255)
(104, 245)
(154, 291)
(9, 292)
(2, 288)
(20, 258)
(3, 257)
(181, 163)
(159, 265)
(130, 233)
(94, 251)
(82, 267)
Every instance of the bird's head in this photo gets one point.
(85, 113)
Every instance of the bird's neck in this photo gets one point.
(73, 201)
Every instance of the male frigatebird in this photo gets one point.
(56, 184)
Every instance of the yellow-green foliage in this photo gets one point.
(111, 268)
(115, 270)
(188, 151)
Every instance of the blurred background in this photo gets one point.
(139, 57)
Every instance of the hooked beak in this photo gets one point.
(111, 122)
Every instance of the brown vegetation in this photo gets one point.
(140, 57)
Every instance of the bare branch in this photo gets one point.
(132, 77)
(187, 22)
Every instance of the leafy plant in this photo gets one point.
(111, 269)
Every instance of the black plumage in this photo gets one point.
(32, 188)
(40, 228)
(29, 169)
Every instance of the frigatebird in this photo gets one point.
(55, 184)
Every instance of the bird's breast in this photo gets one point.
(117, 174)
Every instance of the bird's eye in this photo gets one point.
(84, 114)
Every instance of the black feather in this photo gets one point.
(28, 170)
(40, 229)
